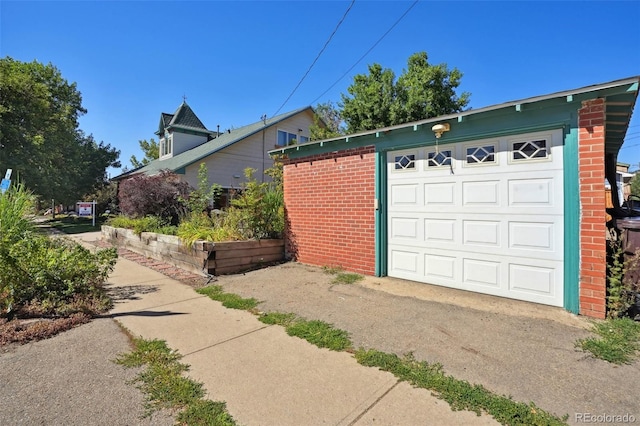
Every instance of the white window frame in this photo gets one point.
(432, 150)
(416, 160)
(296, 136)
(481, 144)
(533, 138)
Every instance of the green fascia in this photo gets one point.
(381, 214)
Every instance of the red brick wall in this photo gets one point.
(593, 249)
(329, 200)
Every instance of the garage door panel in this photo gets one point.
(404, 228)
(481, 193)
(404, 194)
(481, 272)
(440, 267)
(438, 231)
(404, 262)
(490, 222)
(481, 233)
(439, 193)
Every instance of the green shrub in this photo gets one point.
(143, 224)
(52, 272)
(203, 227)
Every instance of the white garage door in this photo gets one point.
(484, 216)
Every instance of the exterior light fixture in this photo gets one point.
(439, 129)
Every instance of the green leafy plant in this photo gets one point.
(165, 386)
(258, 211)
(618, 341)
(321, 334)
(204, 196)
(229, 300)
(278, 318)
(143, 224)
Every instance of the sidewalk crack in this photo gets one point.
(225, 341)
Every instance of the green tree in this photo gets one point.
(39, 135)
(327, 122)
(635, 184)
(371, 101)
(422, 91)
(151, 152)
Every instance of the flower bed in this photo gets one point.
(202, 257)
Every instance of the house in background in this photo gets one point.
(185, 143)
(506, 200)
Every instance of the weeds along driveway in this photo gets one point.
(511, 347)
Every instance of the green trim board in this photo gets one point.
(381, 214)
(571, 222)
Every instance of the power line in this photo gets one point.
(317, 57)
(368, 51)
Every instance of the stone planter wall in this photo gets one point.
(204, 256)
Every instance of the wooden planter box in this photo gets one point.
(203, 257)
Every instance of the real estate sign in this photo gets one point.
(85, 209)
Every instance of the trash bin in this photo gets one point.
(630, 233)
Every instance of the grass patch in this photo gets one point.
(341, 277)
(278, 318)
(460, 394)
(166, 388)
(347, 278)
(321, 334)
(618, 341)
(332, 270)
(229, 300)
(73, 224)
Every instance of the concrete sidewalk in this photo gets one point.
(265, 376)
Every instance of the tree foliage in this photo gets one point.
(158, 195)
(151, 152)
(39, 135)
(327, 122)
(422, 91)
(635, 184)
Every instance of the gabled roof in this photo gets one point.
(224, 140)
(183, 118)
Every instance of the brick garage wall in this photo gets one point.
(593, 248)
(329, 200)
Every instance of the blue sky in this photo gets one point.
(238, 60)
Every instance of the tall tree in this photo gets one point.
(371, 101)
(422, 91)
(327, 122)
(39, 135)
(151, 152)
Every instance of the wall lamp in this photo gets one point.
(439, 129)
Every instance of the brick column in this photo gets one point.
(593, 245)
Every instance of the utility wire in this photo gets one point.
(368, 51)
(317, 57)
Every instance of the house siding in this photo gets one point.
(330, 209)
(251, 152)
(593, 249)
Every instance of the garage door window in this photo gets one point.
(439, 159)
(481, 154)
(530, 150)
(405, 162)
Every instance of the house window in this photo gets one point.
(166, 144)
(481, 154)
(530, 150)
(286, 138)
(438, 159)
(405, 162)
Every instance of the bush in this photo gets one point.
(160, 195)
(52, 272)
(143, 224)
(258, 212)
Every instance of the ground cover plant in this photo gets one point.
(53, 279)
(618, 340)
(74, 224)
(165, 386)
